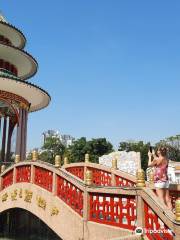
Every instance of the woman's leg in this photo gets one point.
(168, 199)
(161, 194)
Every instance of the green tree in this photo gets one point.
(51, 148)
(98, 147)
(139, 146)
(95, 147)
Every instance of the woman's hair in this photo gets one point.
(163, 151)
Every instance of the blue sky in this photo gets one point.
(112, 68)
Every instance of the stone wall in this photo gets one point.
(126, 161)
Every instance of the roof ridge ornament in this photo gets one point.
(2, 18)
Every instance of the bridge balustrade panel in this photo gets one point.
(77, 171)
(43, 178)
(7, 179)
(23, 174)
(152, 223)
(123, 182)
(70, 194)
(116, 210)
(100, 177)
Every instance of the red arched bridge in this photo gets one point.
(110, 208)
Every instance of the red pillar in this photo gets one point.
(4, 140)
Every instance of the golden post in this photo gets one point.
(57, 161)
(86, 158)
(35, 155)
(66, 161)
(177, 210)
(151, 177)
(88, 178)
(3, 167)
(114, 163)
(17, 158)
(140, 178)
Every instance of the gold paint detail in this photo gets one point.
(66, 160)
(54, 211)
(4, 197)
(17, 158)
(28, 196)
(177, 210)
(41, 202)
(14, 195)
(86, 158)
(20, 193)
(35, 155)
(114, 163)
(140, 178)
(89, 177)
(3, 168)
(57, 161)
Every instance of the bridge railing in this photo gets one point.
(120, 206)
(102, 175)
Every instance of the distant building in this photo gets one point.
(65, 139)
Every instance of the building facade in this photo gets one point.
(65, 139)
(18, 97)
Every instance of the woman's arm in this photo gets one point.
(150, 156)
(153, 163)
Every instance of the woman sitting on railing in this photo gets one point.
(161, 183)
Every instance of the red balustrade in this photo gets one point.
(101, 177)
(23, 174)
(155, 228)
(70, 194)
(77, 171)
(123, 182)
(117, 210)
(7, 179)
(43, 178)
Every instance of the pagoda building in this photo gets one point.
(18, 97)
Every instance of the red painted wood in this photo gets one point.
(7, 179)
(77, 171)
(153, 222)
(23, 174)
(70, 194)
(100, 177)
(113, 210)
(123, 182)
(43, 178)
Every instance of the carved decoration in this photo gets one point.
(20, 193)
(28, 196)
(4, 197)
(54, 211)
(41, 202)
(14, 195)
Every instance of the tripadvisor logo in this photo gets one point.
(139, 231)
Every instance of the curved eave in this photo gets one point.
(36, 96)
(16, 37)
(25, 63)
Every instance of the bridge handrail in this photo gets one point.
(60, 171)
(116, 172)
